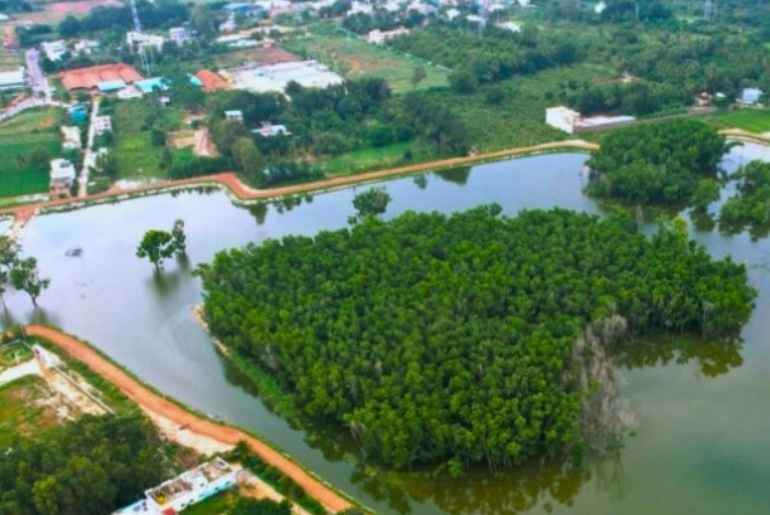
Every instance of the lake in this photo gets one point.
(703, 411)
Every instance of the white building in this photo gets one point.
(452, 13)
(562, 118)
(179, 35)
(275, 77)
(138, 40)
(234, 116)
(750, 96)
(360, 8)
(269, 130)
(509, 25)
(102, 124)
(13, 79)
(378, 37)
(422, 8)
(54, 50)
(188, 488)
(62, 174)
(71, 137)
(86, 46)
(600, 7)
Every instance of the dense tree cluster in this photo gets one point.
(435, 338)
(490, 56)
(750, 206)
(93, 465)
(656, 164)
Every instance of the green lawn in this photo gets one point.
(753, 120)
(136, 156)
(19, 416)
(19, 137)
(11, 355)
(353, 57)
(365, 159)
(216, 505)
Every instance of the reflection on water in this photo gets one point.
(702, 407)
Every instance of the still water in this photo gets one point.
(703, 437)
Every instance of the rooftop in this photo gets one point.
(90, 77)
(194, 479)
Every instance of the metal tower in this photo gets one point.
(143, 57)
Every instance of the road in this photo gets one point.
(37, 79)
(154, 402)
(89, 159)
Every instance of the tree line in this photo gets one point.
(448, 339)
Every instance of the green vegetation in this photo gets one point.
(158, 246)
(750, 206)
(372, 202)
(21, 273)
(367, 159)
(450, 339)
(656, 164)
(134, 122)
(354, 58)
(752, 120)
(21, 414)
(274, 477)
(27, 143)
(92, 465)
(228, 503)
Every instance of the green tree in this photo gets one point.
(372, 202)
(180, 239)
(156, 246)
(248, 158)
(418, 75)
(9, 255)
(26, 277)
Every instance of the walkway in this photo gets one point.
(154, 402)
(89, 158)
(243, 192)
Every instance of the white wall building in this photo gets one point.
(54, 50)
(13, 79)
(71, 137)
(509, 25)
(62, 174)
(378, 37)
(750, 96)
(137, 40)
(275, 77)
(562, 118)
(234, 116)
(102, 124)
(179, 35)
(86, 46)
(188, 488)
(268, 130)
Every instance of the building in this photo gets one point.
(269, 130)
(71, 137)
(275, 77)
(86, 46)
(750, 96)
(509, 26)
(378, 37)
(62, 176)
(185, 490)
(211, 81)
(562, 118)
(13, 79)
(90, 77)
(452, 13)
(179, 35)
(234, 116)
(110, 86)
(360, 8)
(152, 84)
(54, 50)
(139, 40)
(570, 121)
(102, 124)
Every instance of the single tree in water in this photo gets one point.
(9, 254)
(156, 246)
(25, 277)
(180, 239)
(371, 203)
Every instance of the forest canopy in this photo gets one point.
(449, 339)
(656, 164)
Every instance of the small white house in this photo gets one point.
(562, 118)
(62, 174)
(179, 35)
(54, 50)
(234, 116)
(71, 137)
(750, 96)
(379, 37)
(86, 46)
(102, 124)
(138, 40)
(452, 13)
(269, 130)
(509, 26)
(13, 79)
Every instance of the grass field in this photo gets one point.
(216, 505)
(19, 416)
(353, 58)
(19, 137)
(136, 156)
(365, 159)
(753, 120)
(11, 355)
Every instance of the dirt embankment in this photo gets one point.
(243, 192)
(221, 433)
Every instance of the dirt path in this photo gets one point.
(151, 401)
(229, 180)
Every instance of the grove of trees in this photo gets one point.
(656, 164)
(750, 206)
(448, 339)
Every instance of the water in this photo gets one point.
(703, 422)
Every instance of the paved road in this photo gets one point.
(37, 79)
(154, 402)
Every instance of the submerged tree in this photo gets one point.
(156, 246)
(9, 254)
(26, 277)
(180, 239)
(371, 203)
